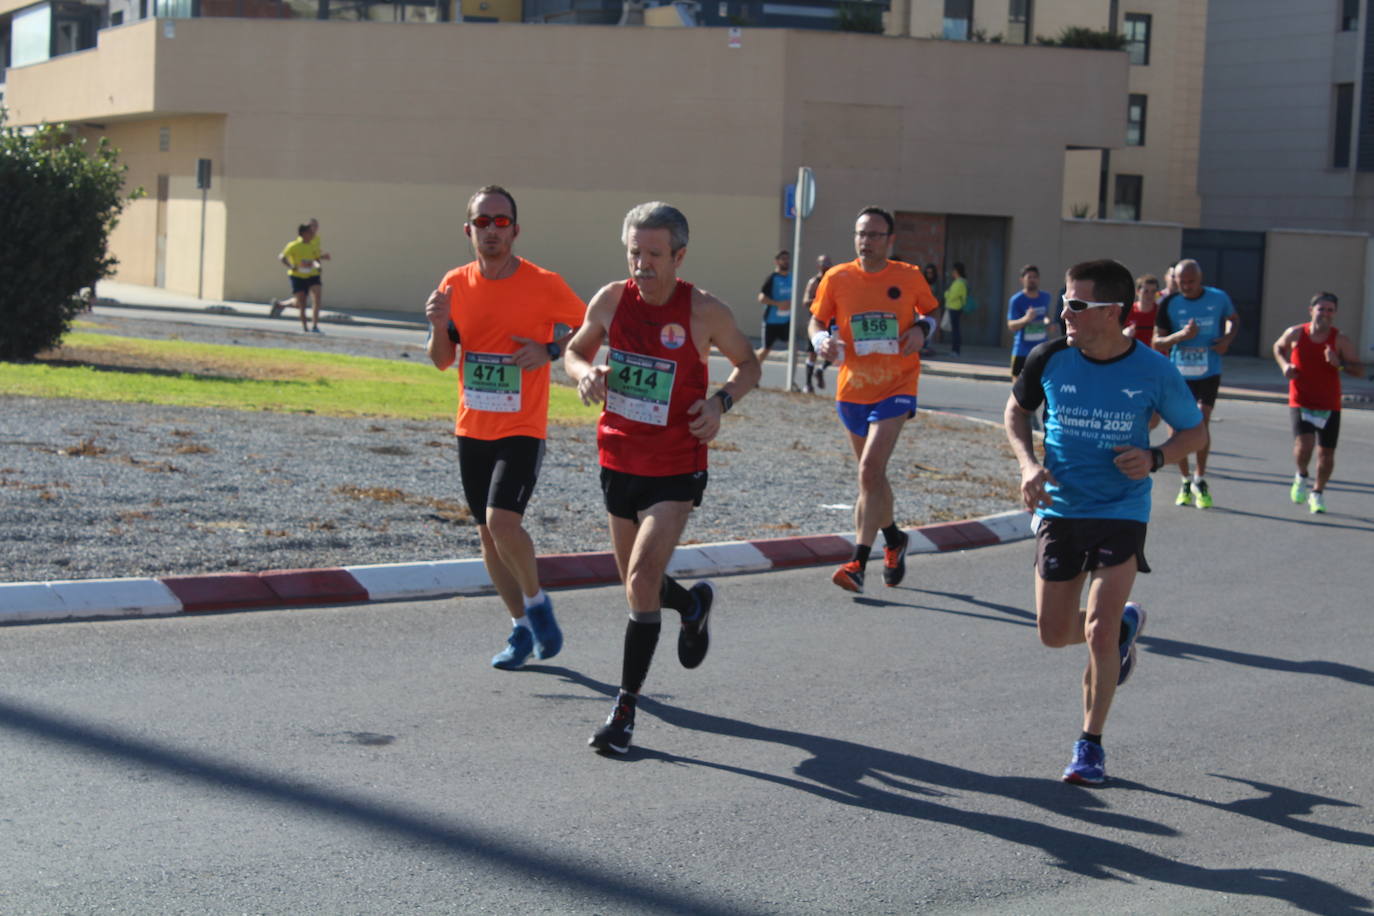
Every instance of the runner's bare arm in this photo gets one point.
(534, 354)
(720, 330)
(587, 340)
(442, 350)
(1034, 476)
(1350, 359)
(1223, 343)
(1283, 349)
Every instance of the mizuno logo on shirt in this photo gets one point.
(1129, 393)
(1068, 389)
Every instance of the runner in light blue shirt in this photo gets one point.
(1196, 325)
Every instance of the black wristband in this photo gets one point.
(1156, 459)
(554, 350)
(726, 402)
(927, 325)
(452, 332)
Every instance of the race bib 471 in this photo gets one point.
(491, 382)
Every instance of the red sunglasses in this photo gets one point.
(500, 222)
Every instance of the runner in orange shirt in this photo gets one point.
(878, 307)
(502, 311)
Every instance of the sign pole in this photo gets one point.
(805, 200)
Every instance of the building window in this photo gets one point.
(1127, 197)
(958, 19)
(1135, 120)
(1350, 15)
(1342, 125)
(1137, 32)
(164, 139)
(1019, 22)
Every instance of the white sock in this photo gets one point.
(523, 622)
(534, 600)
(1300, 476)
(1197, 478)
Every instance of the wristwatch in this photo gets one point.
(554, 350)
(726, 402)
(1156, 459)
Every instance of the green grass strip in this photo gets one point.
(289, 381)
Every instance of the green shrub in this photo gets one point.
(59, 207)
(1076, 36)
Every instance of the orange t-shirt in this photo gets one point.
(871, 311)
(495, 398)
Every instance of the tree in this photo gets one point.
(1076, 36)
(60, 205)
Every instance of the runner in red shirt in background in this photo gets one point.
(1312, 357)
(1140, 323)
(653, 433)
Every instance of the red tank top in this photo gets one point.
(1318, 385)
(656, 373)
(1142, 323)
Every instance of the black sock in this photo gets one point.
(861, 552)
(1095, 739)
(640, 641)
(673, 595)
(892, 535)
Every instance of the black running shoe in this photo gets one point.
(615, 735)
(894, 562)
(695, 638)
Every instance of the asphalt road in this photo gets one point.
(890, 753)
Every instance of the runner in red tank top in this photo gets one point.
(1311, 357)
(653, 433)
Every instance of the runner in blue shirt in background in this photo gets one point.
(1196, 326)
(1028, 314)
(1091, 494)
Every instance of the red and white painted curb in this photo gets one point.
(83, 599)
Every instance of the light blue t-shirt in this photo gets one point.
(1038, 331)
(1195, 358)
(777, 286)
(1094, 406)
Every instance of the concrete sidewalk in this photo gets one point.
(1246, 378)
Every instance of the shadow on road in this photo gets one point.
(848, 773)
(466, 843)
(1173, 648)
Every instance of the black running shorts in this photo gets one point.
(627, 495)
(1205, 389)
(1327, 436)
(500, 473)
(1065, 548)
(774, 336)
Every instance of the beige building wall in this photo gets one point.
(1146, 248)
(1300, 263)
(382, 132)
(1172, 83)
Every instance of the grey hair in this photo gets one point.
(657, 215)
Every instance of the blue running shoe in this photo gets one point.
(1132, 624)
(1089, 764)
(519, 645)
(548, 639)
